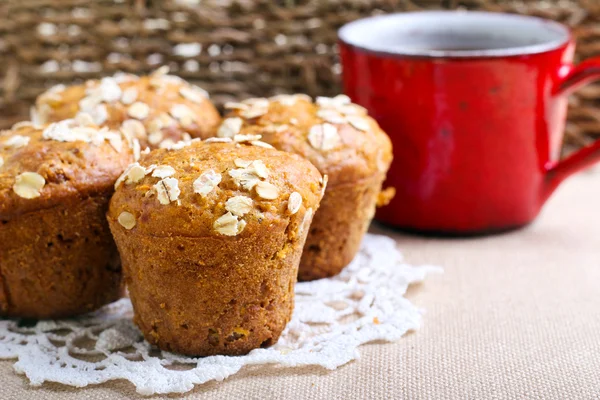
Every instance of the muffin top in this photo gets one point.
(337, 136)
(217, 188)
(158, 109)
(40, 167)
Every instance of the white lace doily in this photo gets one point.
(332, 318)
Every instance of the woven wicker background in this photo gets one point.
(232, 48)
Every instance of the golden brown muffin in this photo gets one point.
(346, 145)
(57, 256)
(159, 109)
(210, 236)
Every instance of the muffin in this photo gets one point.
(57, 257)
(346, 145)
(158, 109)
(210, 236)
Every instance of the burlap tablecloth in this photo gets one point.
(515, 316)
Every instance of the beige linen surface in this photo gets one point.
(515, 316)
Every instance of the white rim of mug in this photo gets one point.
(486, 53)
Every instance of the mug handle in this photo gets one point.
(570, 78)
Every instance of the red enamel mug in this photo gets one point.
(475, 104)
